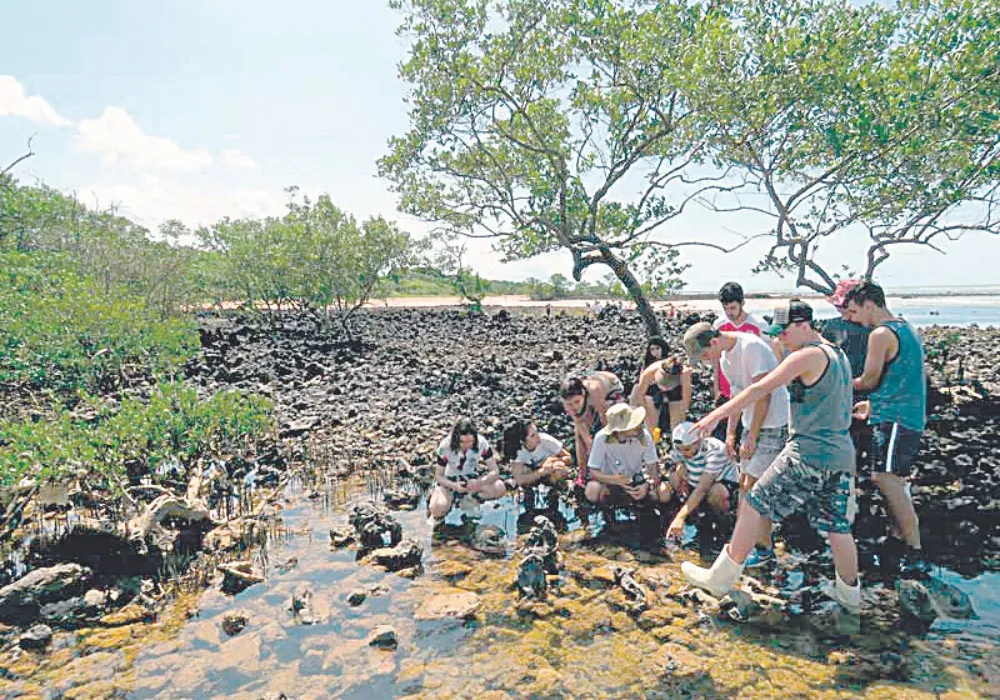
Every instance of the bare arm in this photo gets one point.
(881, 343)
(687, 390)
(759, 411)
(524, 476)
(447, 483)
(691, 504)
(642, 386)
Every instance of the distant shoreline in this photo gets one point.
(700, 302)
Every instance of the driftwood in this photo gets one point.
(147, 528)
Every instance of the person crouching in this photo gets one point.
(467, 467)
(623, 465)
(535, 458)
(704, 474)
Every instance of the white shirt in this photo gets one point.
(750, 357)
(547, 447)
(626, 458)
(465, 464)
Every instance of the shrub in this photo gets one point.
(64, 331)
(136, 439)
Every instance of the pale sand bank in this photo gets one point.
(752, 305)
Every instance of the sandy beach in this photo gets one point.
(753, 305)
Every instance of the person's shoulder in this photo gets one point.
(755, 321)
(719, 322)
(444, 446)
(550, 441)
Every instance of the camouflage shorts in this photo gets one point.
(789, 486)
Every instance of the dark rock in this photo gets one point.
(36, 638)
(21, 601)
(407, 553)
(626, 581)
(356, 598)
(341, 537)
(374, 526)
(383, 637)
(234, 622)
(237, 576)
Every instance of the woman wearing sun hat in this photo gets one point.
(623, 460)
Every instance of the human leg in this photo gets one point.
(493, 490)
(440, 502)
(596, 492)
(832, 510)
(894, 448)
(905, 524)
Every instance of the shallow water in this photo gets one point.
(583, 647)
(581, 642)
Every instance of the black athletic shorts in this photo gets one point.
(894, 449)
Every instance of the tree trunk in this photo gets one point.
(630, 283)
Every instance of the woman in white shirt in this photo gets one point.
(466, 465)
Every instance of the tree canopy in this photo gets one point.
(589, 126)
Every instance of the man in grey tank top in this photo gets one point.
(896, 408)
(815, 471)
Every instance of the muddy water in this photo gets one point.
(583, 641)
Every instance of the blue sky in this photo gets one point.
(197, 109)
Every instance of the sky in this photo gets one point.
(199, 109)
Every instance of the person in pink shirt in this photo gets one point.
(735, 319)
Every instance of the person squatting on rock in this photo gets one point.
(623, 450)
(466, 466)
(896, 409)
(814, 472)
(586, 400)
(536, 458)
(664, 388)
(745, 358)
(704, 473)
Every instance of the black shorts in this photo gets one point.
(894, 449)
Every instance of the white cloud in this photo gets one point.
(152, 202)
(116, 137)
(238, 159)
(14, 101)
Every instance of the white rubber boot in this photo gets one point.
(718, 580)
(849, 597)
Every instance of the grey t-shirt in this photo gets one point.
(628, 458)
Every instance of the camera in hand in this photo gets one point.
(638, 480)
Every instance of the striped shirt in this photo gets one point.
(710, 457)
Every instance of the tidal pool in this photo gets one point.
(583, 640)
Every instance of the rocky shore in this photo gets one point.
(363, 418)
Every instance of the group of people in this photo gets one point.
(795, 404)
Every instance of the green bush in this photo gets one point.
(136, 438)
(64, 331)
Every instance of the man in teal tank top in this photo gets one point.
(894, 373)
(815, 471)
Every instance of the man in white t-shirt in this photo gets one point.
(744, 359)
(623, 460)
(535, 458)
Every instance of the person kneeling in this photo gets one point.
(462, 457)
(621, 451)
(536, 458)
(704, 474)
